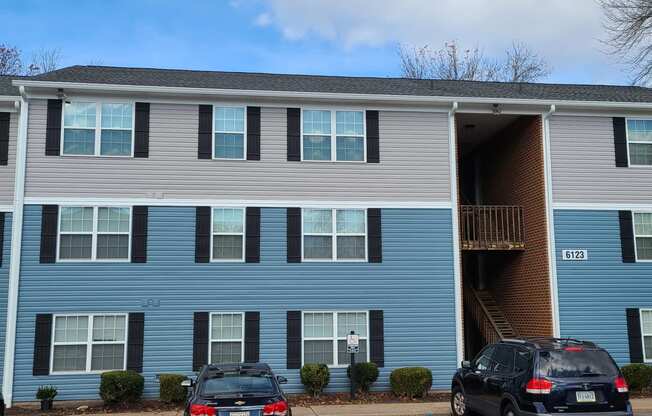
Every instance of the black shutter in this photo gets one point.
(634, 335)
(253, 133)
(200, 340)
(53, 128)
(294, 339)
(2, 236)
(377, 338)
(205, 132)
(42, 343)
(294, 235)
(627, 236)
(252, 337)
(294, 134)
(4, 138)
(135, 341)
(620, 142)
(139, 235)
(252, 246)
(373, 137)
(141, 143)
(374, 230)
(203, 235)
(49, 219)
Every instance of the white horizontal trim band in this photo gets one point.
(603, 206)
(235, 203)
(6, 208)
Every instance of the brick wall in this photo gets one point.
(513, 174)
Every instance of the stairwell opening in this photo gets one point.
(504, 247)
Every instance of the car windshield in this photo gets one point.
(576, 363)
(235, 383)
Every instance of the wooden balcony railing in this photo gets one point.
(492, 227)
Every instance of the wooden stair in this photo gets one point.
(502, 326)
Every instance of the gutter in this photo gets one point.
(550, 219)
(424, 99)
(16, 245)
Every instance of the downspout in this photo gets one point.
(16, 243)
(552, 255)
(457, 260)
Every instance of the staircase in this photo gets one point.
(488, 316)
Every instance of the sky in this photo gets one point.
(327, 37)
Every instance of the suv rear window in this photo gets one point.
(237, 383)
(571, 364)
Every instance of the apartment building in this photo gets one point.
(171, 218)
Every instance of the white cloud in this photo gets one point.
(263, 20)
(565, 32)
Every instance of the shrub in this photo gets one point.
(410, 381)
(118, 387)
(315, 378)
(638, 376)
(171, 390)
(365, 374)
(46, 393)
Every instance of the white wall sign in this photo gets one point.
(575, 255)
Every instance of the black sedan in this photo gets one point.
(236, 390)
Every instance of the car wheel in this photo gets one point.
(458, 402)
(509, 411)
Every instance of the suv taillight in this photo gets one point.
(538, 386)
(201, 410)
(279, 408)
(621, 384)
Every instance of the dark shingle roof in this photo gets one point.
(341, 84)
(5, 85)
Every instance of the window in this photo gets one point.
(229, 136)
(84, 343)
(504, 358)
(324, 337)
(334, 234)
(639, 139)
(97, 129)
(484, 362)
(94, 233)
(226, 344)
(646, 333)
(228, 234)
(643, 235)
(333, 135)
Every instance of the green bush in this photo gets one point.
(170, 388)
(315, 378)
(46, 393)
(118, 387)
(410, 381)
(638, 376)
(366, 374)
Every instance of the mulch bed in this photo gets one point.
(305, 400)
(60, 409)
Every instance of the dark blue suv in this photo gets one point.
(540, 376)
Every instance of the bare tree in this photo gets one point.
(44, 60)
(10, 62)
(629, 25)
(520, 64)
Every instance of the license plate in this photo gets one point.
(238, 413)
(585, 396)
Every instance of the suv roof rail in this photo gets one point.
(538, 340)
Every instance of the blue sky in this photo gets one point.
(340, 37)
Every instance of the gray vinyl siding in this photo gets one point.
(583, 164)
(413, 153)
(7, 173)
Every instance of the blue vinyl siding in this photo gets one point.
(413, 285)
(594, 294)
(4, 286)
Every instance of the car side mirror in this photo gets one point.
(466, 365)
(281, 380)
(187, 383)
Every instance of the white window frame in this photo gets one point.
(243, 234)
(215, 131)
(335, 338)
(643, 334)
(89, 342)
(333, 112)
(210, 335)
(94, 233)
(334, 234)
(639, 235)
(98, 126)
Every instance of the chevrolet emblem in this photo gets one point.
(240, 402)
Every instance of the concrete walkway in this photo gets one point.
(641, 406)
